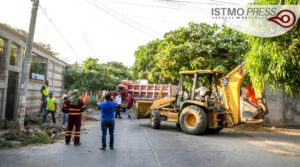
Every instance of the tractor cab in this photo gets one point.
(200, 86)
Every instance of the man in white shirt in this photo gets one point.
(202, 89)
(119, 102)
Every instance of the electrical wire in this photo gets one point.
(203, 3)
(133, 21)
(224, 2)
(137, 4)
(120, 19)
(60, 33)
(182, 2)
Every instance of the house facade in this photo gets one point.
(43, 66)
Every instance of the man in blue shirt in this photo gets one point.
(107, 120)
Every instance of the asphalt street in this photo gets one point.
(138, 145)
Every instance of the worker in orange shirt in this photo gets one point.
(250, 93)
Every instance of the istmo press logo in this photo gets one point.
(258, 20)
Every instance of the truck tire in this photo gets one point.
(213, 131)
(155, 119)
(193, 120)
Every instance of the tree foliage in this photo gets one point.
(276, 61)
(196, 47)
(95, 76)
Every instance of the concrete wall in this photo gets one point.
(283, 109)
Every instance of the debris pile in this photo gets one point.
(88, 117)
(254, 127)
(43, 135)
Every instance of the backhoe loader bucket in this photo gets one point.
(141, 108)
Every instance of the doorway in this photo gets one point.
(11, 95)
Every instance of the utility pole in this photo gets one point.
(21, 107)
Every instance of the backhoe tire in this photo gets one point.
(213, 131)
(178, 125)
(155, 119)
(193, 120)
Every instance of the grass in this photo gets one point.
(41, 138)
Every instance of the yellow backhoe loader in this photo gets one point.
(212, 111)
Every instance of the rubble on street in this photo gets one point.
(45, 134)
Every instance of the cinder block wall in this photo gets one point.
(284, 110)
(55, 77)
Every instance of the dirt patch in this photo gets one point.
(278, 147)
(254, 127)
(259, 127)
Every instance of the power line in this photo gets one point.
(120, 19)
(178, 5)
(122, 15)
(137, 4)
(203, 3)
(229, 3)
(182, 2)
(60, 33)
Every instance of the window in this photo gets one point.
(13, 54)
(2, 52)
(38, 67)
(1, 47)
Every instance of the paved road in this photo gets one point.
(137, 145)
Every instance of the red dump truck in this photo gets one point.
(145, 93)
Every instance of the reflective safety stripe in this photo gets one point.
(69, 131)
(77, 132)
(74, 113)
(51, 104)
(46, 90)
(74, 109)
(77, 135)
(68, 134)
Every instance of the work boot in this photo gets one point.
(111, 147)
(77, 144)
(102, 148)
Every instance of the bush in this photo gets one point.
(41, 138)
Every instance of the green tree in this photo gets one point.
(276, 61)
(196, 47)
(93, 76)
(144, 65)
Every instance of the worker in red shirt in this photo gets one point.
(250, 93)
(130, 102)
(75, 107)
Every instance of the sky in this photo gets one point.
(110, 30)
